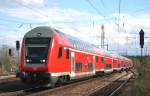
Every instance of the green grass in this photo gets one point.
(142, 82)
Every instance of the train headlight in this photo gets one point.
(27, 60)
(43, 60)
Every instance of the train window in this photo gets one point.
(67, 53)
(79, 45)
(108, 66)
(38, 40)
(114, 61)
(84, 47)
(60, 52)
(78, 67)
(90, 66)
(96, 58)
(103, 59)
(75, 44)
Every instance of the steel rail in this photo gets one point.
(29, 92)
(118, 88)
(70, 86)
(94, 91)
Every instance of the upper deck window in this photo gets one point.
(38, 41)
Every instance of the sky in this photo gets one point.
(80, 18)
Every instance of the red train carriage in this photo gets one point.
(119, 63)
(108, 62)
(125, 63)
(126, 66)
(115, 62)
(100, 64)
(50, 56)
(128, 63)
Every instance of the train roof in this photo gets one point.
(78, 43)
(43, 31)
(107, 53)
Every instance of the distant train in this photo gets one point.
(49, 56)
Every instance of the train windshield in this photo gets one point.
(37, 49)
(37, 52)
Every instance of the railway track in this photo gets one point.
(24, 92)
(6, 74)
(5, 78)
(124, 82)
(113, 88)
(83, 88)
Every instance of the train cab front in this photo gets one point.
(34, 56)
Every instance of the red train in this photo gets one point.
(50, 56)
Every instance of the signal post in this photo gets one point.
(141, 33)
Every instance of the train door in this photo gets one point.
(94, 63)
(72, 65)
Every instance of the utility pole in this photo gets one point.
(127, 46)
(146, 51)
(93, 24)
(102, 36)
(30, 26)
(3, 59)
(107, 46)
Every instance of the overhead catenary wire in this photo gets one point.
(95, 8)
(102, 2)
(104, 6)
(133, 13)
(119, 5)
(26, 22)
(142, 9)
(99, 12)
(39, 13)
(35, 11)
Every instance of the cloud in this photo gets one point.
(19, 3)
(27, 11)
(33, 3)
(78, 23)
